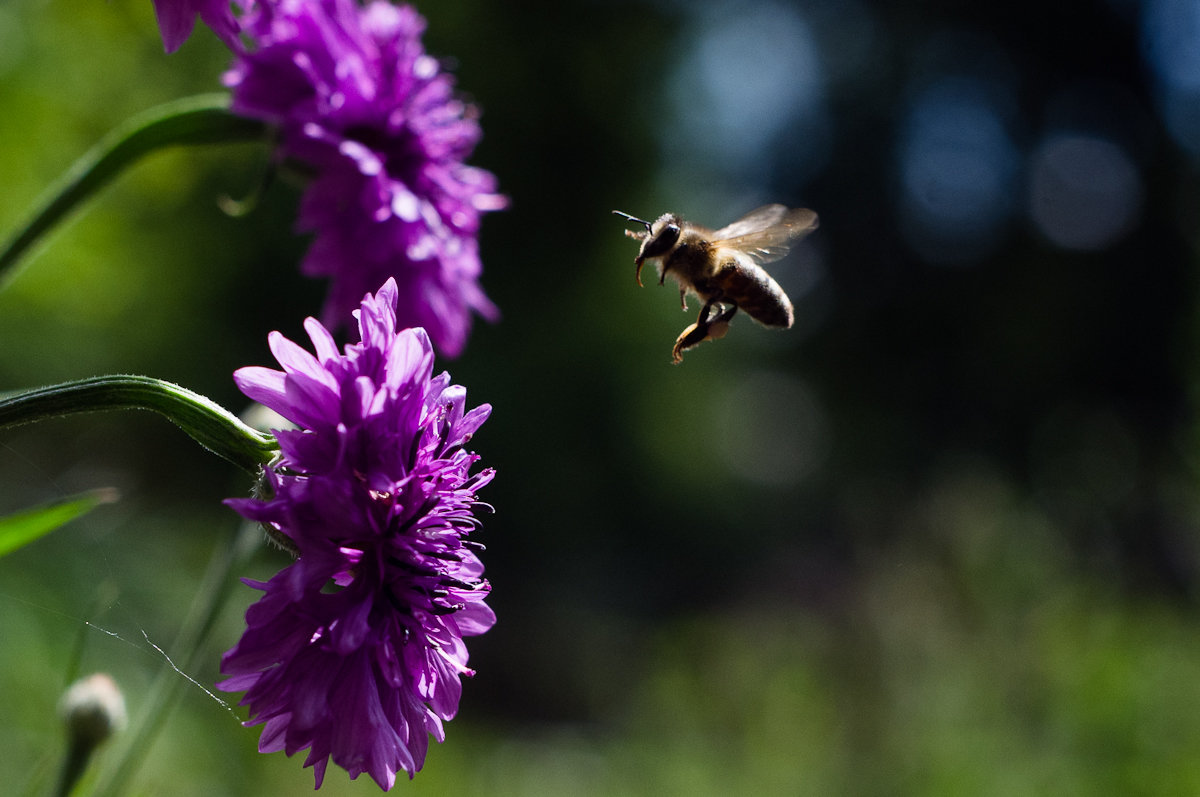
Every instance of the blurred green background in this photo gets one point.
(940, 538)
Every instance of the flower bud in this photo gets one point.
(93, 709)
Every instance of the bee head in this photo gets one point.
(661, 236)
(657, 240)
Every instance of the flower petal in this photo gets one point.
(355, 650)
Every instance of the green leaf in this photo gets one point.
(21, 528)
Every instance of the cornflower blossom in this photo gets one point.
(355, 650)
(374, 122)
(177, 18)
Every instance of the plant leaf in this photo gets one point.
(23, 527)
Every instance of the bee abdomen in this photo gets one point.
(774, 313)
(751, 288)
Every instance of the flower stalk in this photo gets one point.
(205, 421)
(188, 650)
(204, 119)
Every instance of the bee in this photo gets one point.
(723, 267)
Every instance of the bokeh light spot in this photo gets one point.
(749, 77)
(1084, 191)
(1170, 32)
(956, 171)
(772, 429)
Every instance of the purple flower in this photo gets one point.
(374, 121)
(176, 18)
(356, 649)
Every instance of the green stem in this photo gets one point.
(230, 556)
(205, 119)
(209, 424)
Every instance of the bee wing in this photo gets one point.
(754, 221)
(766, 234)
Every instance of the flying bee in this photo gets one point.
(723, 267)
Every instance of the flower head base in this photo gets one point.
(356, 649)
(374, 120)
(176, 18)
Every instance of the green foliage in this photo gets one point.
(21, 528)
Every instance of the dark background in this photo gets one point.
(939, 537)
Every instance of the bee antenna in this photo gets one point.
(634, 218)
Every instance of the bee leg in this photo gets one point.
(704, 329)
(718, 326)
(723, 317)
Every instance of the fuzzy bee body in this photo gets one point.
(722, 267)
(758, 295)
